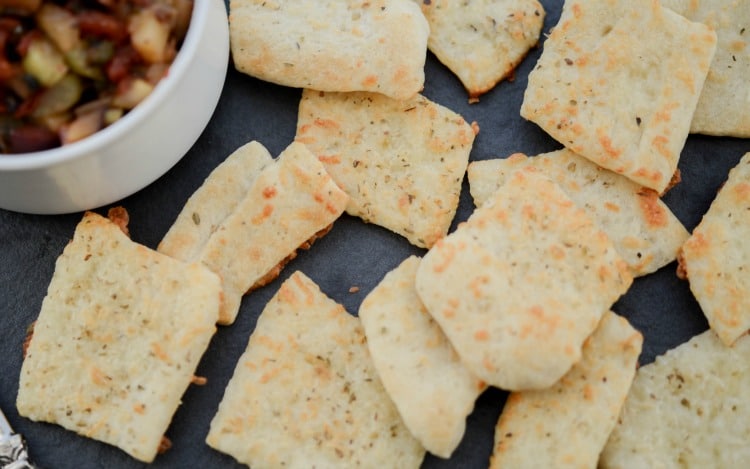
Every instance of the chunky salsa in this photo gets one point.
(71, 67)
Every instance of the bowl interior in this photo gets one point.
(99, 141)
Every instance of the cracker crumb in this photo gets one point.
(199, 380)
(353, 289)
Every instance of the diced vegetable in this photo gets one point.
(132, 92)
(44, 62)
(149, 36)
(60, 97)
(60, 25)
(82, 127)
(70, 67)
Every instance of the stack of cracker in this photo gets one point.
(251, 214)
(618, 83)
(305, 392)
(642, 228)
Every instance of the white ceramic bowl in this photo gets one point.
(143, 145)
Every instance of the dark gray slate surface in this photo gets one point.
(352, 254)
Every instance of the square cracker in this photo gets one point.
(618, 82)
(688, 408)
(716, 257)
(724, 104)
(643, 229)
(519, 286)
(482, 42)
(120, 334)
(292, 201)
(332, 45)
(567, 425)
(305, 392)
(400, 162)
(433, 391)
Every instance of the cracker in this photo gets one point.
(715, 257)
(400, 162)
(214, 201)
(643, 229)
(423, 375)
(723, 105)
(618, 82)
(689, 408)
(568, 424)
(120, 334)
(378, 46)
(520, 285)
(482, 43)
(291, 201)
(305, 392)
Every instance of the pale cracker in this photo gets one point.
(724, 104)
(378, 46)
(289, 202)
(618, 82)
(687, 409)
(118, 338)
(400, 162)
(306, 394)
(214, 201)
(716, 257)
(567, 425)
(482, 41)
(423, 375)
(643, 229)
(520, 285)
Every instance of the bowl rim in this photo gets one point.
(106, 136)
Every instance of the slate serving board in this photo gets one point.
(352, 254)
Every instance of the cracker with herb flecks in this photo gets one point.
(716, 257)
(305, 392)
(400, 162)
(289, 204)
(643, 229)
(720, 110)
(688, 408)
(482, 41)
(423, 375)
(120, 334)
(567, 425)
(618, 82)
(214, 201)
(519, 286)
(378, 46)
